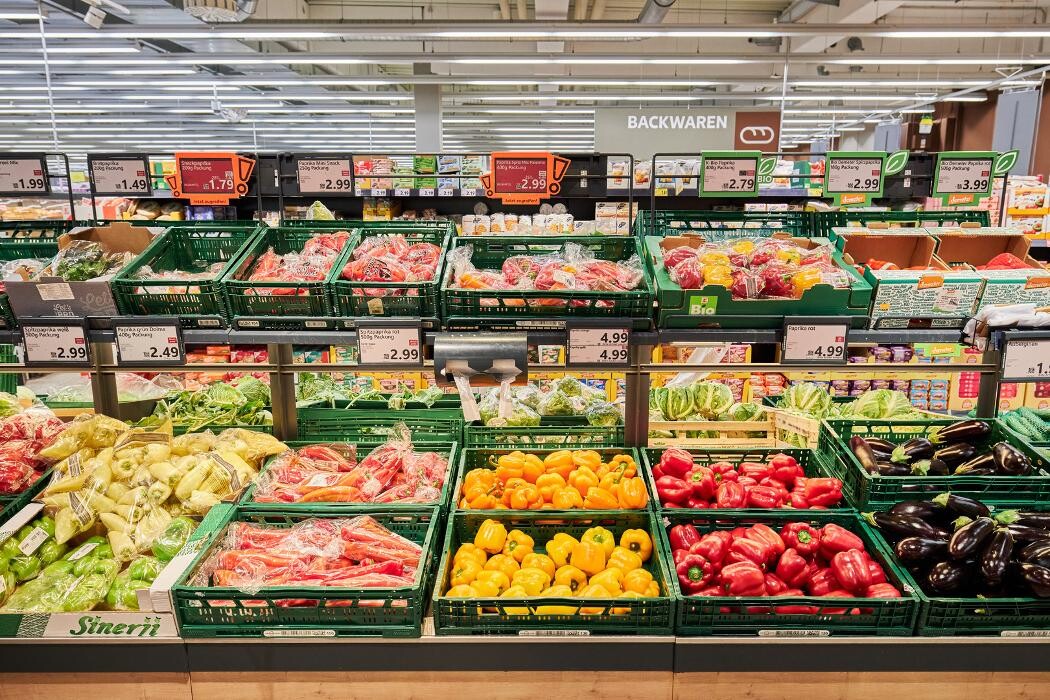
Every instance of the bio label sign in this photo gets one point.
(814, 341)
(147, 344)
(963, 177)
(324, 175)
(210, 178)
(599, 346)
(120, 176)
(54, 343)
(523, 178)
(23, 174)
(390, 344)
(1026, 361)
(729, 173)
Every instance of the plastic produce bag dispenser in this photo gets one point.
(468, 360)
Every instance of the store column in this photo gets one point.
(428, 115)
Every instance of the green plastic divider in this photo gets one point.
(677, 223)
(565, 436)
(321, 424)
(824, 221)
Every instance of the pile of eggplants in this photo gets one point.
(959, 449)
(959, 547)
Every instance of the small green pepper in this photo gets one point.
(25, 568)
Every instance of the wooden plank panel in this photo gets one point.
(87, 686)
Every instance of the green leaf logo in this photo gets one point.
(895, 163)
(766, 166)
(1004, 163)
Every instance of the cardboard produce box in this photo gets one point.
(944, 296)
(52, 297)
(972, 248)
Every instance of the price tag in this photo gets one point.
(854, 175)
(378, 192)
(324, 175)
(962, 173)
(402, 192)
(730, 173)
(390, 344)
(426, 191)
(445, 192)
(151, 343)
(23, 174)
(1026, 361)
(599, 346)
(120, 176)
(54, 343)
(469, 192)
(814, 342)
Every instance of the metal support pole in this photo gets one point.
(988, 389)
(282, 391)
(636, 401)
(104, 384)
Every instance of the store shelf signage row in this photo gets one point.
(24, 174)
(120, 175)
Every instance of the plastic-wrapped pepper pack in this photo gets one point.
(391, 258)
(311, 264)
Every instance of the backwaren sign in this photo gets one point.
(647, 131)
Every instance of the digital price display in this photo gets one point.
(24, 174)
(210, 178)
(120, 176)
(524, 178)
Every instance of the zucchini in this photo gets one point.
(1042, 428)
(1043, 413)
(1014, 421)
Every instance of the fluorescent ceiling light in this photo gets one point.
(150, 71)
(849, 128)
(918, 110)
(803, 97)
(890, 83)
(16, 15)
(91, 49)
(966, 98)
(247, 97)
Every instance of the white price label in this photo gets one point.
(815, 342)
(153, 344)
(23, 176)
(469, 192)
(964, 176)
(854, 175)
(324, 175)
(402, 192)
(380, 192)
(730, 174)
(390, 345)
(598, 346)
(31, 542)
(1027, 360)
(120, 176)
(55, 345)
(426, 191)
(445, 192)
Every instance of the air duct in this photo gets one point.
(654, 11)
(220, 10)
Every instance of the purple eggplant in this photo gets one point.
(948, 576)
(962, 431)
(995, 557)
(864, 454)
(955, 454)
(920, 509)
(916, 448)
(1037, 578)
(914, 550)
(970, 537)
(1009, 460)
(902, 525)
(961, 505)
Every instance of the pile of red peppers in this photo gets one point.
(776, 483)
(801, 559)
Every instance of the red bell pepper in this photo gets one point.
(698, 503)
(882, 590)
(798, 500)
(794, 569)
(683, 536)
(755, 470)
(785, 468)
(757, 552)
(694, 573)
(730, 494)
(676, 462)
(837, 594)
(835, 538)
(794, 609)
(671, 489)
(724, 471)
(777, 484)
(764, 533)
(743, 578)
(823, 491)
(679, 554)
(713, 546)
(746, 481)
(822, 583)
(764, 497)
(709, 592)
(878, 575)
(802, 536)
(657, 471)
(737, 532)
(774, 585)
(851, 570)
(702, 479)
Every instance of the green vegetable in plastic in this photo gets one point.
(521, 416)
(25, 568)
(173, 539)
(51, 551)
(604, 414)
(556, 403)
(121, 594)
(881, 404)
(88, 592)
(144, 568)
(61, 567)
(569, 385)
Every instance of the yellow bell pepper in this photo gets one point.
(653, 591)
(601, 537)
(626, 594)
(548, 484)
(501, 562)
(497, 578)
(525, 497)
(559, 550)
(637, 580)
(509, 487)
(486, 589)
(480, 488)
(624, 464)
(556, 591)
(582, 479)
(510, 466)
(533, 468)
(462, 591)
(559, 462)
(464, 572)
(588, 557)
(639, 542)
(586, 458)
(570, 576)
(539, 561)
(593, 591)
(532, 580)
(515, 592)
(518, 545)
(469, 551)
(611, 580)
(491, 536)
(485, 501)
(631, 493)
(599, 499)
(567, 498)
(625, 559)
(609, 480)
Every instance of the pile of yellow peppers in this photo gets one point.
(562, 480)
(502, 564)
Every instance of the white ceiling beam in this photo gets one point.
(847, 12)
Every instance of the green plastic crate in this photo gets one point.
(677, 223)
(494, 616)
(323, 424)
(19, 249)
(28, 233)
(215, 611)
(12, 503)
(483, 458)
(867, 492)
(562, 436)
(306, 299)
(810, 462)
(714, 306)
(391, 298)
(466, 309)
(743, 615)
(8, 382)
(825, 221)
(182, 248)
(449, 450)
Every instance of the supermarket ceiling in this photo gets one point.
(111, 75)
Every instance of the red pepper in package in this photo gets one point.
(311, 264)
(687, 274)
(694, 573)
(851, 570)
(1005, 261)
(22, 436)
(389, 258)
(835, 538)
(802, 537)
(676, 255)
